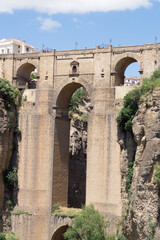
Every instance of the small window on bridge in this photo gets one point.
(74, 69)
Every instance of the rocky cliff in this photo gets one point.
(6, 147)
(140, 156)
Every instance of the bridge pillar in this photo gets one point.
(35, 168)
(103, 155)
(61, 159)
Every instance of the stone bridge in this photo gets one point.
(44, 123)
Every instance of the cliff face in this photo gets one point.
(6, 145)
(141, 203)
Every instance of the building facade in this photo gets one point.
(14, 45)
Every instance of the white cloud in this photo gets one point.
(75, 20)
(72, 6)
(48, 24)
(79, 23)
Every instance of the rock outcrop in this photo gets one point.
(141, 203)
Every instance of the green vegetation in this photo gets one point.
(2, 236)
(9, 204)
(58, 210)
(77, 98)
(84, 118)
(9, 93)
(157, 173)
(10, 177)
(129, 176)
(18, 131)
(150, 238)
(89, 224)
(19, 212)
(33, 76)
(11, 123)
(152, 226)
(10, 96)
(121, 237)
(130, 107)
(8, 236)
(24, 98)
(132, 100)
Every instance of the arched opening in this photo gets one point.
(58, 235)
(127, 72)
(69, 167)
(74, 69)
(132, 75)
(24, 76)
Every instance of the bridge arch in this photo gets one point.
(23, 76)
(72, 86)
(58, 235)
(121, 65)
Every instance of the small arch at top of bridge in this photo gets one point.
(23, 76)
(121, 67)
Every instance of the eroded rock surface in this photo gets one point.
(142, 207)
(6, 145)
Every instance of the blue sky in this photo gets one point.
(59, 24)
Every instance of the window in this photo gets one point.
(27, 49)
(7, 50)
(2, 51)
(74, 69)
(19, 46)
(102, 75)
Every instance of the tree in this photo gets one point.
(88, 225)
(132, 101)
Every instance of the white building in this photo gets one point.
(14, 45)
(131, 81)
